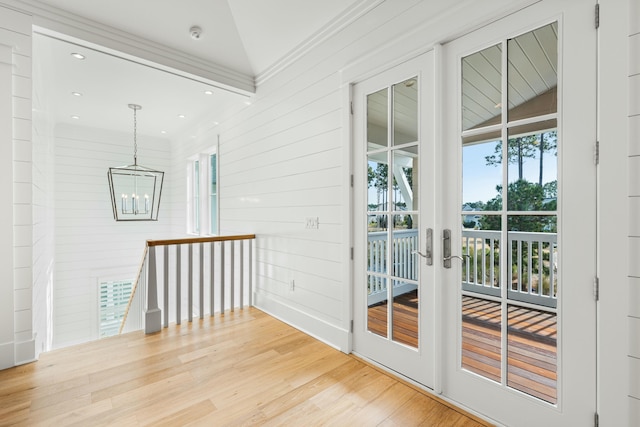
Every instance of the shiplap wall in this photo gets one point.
(89, 244)
(16, 329)
(286, 158)
(634, 214)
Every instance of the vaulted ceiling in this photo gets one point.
(244, 36)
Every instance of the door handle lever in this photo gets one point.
(428, 255)
(446, 249)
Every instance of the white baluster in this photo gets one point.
(201, 281)
(165, 280)
(178, 285)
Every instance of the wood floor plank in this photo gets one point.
(241, 368)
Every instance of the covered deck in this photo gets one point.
(531, 341)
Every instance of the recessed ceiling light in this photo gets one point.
(216, 123)
(163, 132)
(76, 94)
(181, 116)
(208, 92)
(248, 102)
(78, 55)
(75, 117)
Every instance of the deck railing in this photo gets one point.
(404, 263)
(532, 264)
(213, 274)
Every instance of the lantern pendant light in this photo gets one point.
(135, 189)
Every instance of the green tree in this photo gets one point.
(525, 196)
(524, 147)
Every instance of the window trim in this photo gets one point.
(201, 224)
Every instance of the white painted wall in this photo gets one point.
(16, 327)
(634, 213)
(89, 243)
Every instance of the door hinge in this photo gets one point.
(351, 253)
(596, 153)
(351, 180)
(351, 107)
(596, 420)
(351, 326)
(596, 288)
(597, 15)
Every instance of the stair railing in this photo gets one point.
(218, 277)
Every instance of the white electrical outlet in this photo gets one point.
(313, 223)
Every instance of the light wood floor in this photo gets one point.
(242, 368)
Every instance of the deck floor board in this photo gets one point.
(531, 341)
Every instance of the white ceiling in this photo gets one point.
(247, 36)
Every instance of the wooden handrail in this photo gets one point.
(207, 239)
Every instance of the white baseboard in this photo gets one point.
(25, 352)
(7, 356)
(320, 329)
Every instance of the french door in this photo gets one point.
(475, 217)
(393, 205)
(519, 196)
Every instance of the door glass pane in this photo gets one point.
(405, 243)
(533, 167)
(377, 119)
(481, 317)
(482, 174)
(533, 73)
(533, 259)
(377, 238)
(405, 182)
(377, 182)
(405, 313)
(481, 337)
(482, 88)
(377, 311)
(481, 238)
(405, 111)
(532, 352)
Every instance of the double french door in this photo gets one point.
(475, 246)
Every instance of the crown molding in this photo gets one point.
(67, 26)
(347, 17)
